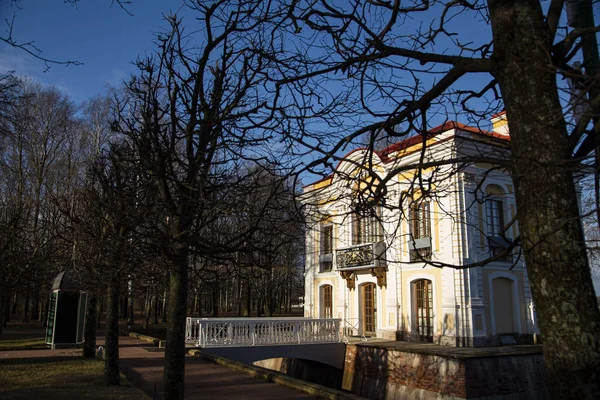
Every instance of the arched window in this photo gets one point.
(326, 301)
(366, 216)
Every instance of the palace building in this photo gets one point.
(421, 254)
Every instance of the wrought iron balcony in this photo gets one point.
(368, 255)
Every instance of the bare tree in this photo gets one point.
(107, 214)
(42, 149)
(194, 107)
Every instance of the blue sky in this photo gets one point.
(103, 37)
(97, 33)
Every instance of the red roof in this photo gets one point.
(413, 140)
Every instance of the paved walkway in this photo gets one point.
(144, 365)
(203, 379)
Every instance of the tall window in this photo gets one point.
(420, 221)
(366, 226)
(326, 250)
(420, 231)
(326, 301)
(494, 217)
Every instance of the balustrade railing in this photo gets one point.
(361, 256)
(206, 332)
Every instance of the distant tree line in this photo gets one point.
(75, 194)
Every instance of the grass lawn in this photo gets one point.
(60, 378)
(23, 344)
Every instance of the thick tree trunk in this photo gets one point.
(174, 375)
(125, 304)
(200, 304)
(44, 312)
(26, 306)
(131, 304)
(215, 299)
(155, 303)
(163, 315)
(35, 309)
(248, 310)
(2, 308)
(100, 311)
(147, 311)
(552, 237)
(8, 309)
(111, 347)
(239, 298)
(14, 304)
(89, 346)
(270, 300)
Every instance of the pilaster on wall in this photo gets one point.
(474, 307)
(309, 271)
(471, 238)
(532, 324)
(463, 307)
(468, 218)
(399, 306)
(449, 315)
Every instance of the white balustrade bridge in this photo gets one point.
(252, 339)
(241, 332)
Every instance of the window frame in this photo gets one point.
(419, 219)
(326, 243)
(496, 226)
(367, 226)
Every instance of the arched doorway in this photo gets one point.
(368, 296)
(423, 309)
(504, 318)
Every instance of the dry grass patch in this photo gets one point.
(60, 378)
(23, 344)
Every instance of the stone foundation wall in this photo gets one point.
(380, 373)
(446, 340)
(524, 376)
(310, 371)
(470, 341)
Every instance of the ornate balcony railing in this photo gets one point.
(231, 332)
(366, 255)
